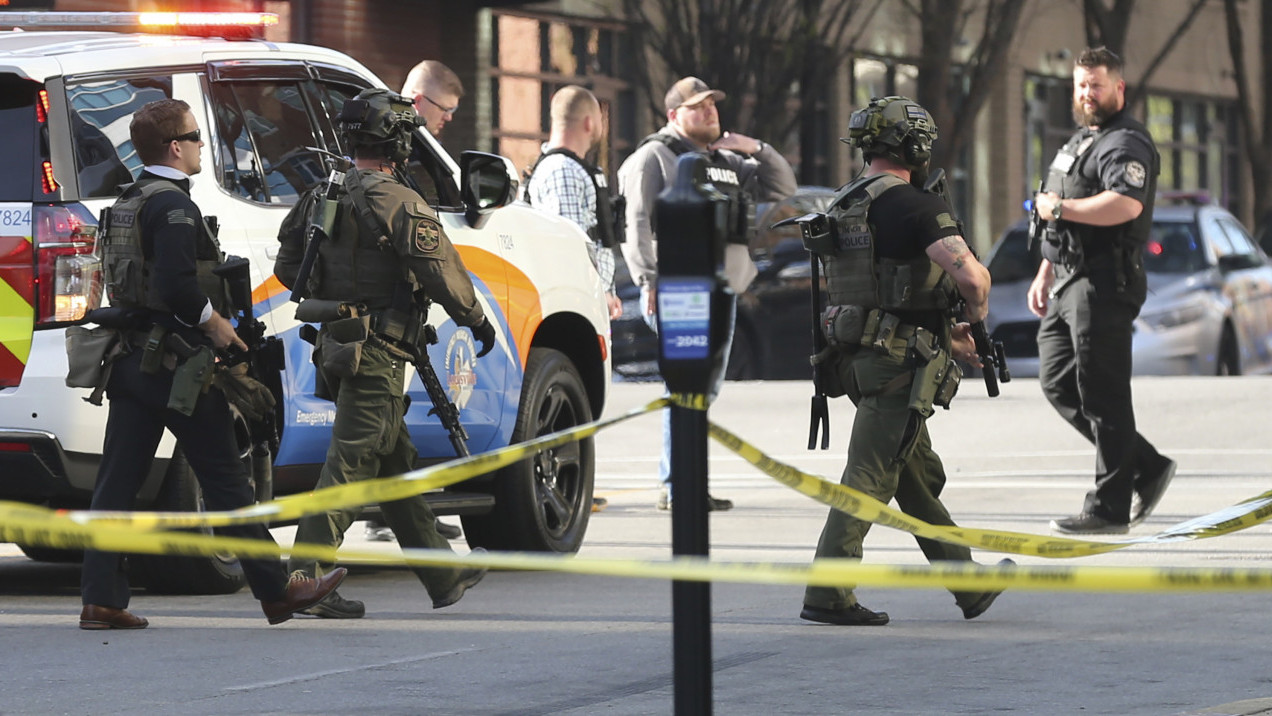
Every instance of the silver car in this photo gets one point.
(1209, 307)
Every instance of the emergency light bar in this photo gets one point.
(139, 19)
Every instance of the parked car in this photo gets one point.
(1209, 307)
(263, 107)
(772, 338)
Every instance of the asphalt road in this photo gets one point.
(542, 643)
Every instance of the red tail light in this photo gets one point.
(68, 276)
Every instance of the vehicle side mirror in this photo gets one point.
(487, 182)
(1236, 262)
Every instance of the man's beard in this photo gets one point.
(1097, 116)
(705, 134)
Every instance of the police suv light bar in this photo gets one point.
(139, 19)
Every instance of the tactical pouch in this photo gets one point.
(844, 326)
(190, 380)
(340, 345)
(89, 355)
(152, 350)
(894, 284)
(826, 365)
(883, 331)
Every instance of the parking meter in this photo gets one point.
(695, 315)
(693, 221)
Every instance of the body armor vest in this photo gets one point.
(358, 264)
(721, 175)
(127, 274)
(611, 211)
(1078, 246)
(856, 276)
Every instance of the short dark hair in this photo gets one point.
(1101, 56)
(153, 125)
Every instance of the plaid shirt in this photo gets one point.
(562, 186)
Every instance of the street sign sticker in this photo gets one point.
(684, 313)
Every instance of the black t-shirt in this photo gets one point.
(907, 220)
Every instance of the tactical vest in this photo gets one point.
(357, 263)
(611, 211)
(856, 276)
(1078, 246)
(127, 273)
(721, 175)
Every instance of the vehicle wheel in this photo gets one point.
(744, 356)
(543, 503)
(1229, 362)
(219, 574)
(40, 553)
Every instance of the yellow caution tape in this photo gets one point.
(366, 492)
(864, 507)
(26, 524)
(135, 532)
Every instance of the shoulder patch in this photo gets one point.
(1135, 174)
(179, 216)
(945, 221)
(427, 235)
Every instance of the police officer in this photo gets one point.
(159, 256)
(386, 251)
(740, 166)
(895, 268)
(1098, 200)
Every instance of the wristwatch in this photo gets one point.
(1057, 209)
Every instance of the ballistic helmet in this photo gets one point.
(895, 127)
(379, 118)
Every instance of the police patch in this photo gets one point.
(428, 235)
(945, 221)
(1136, 174)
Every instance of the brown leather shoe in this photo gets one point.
(96, 617)
(302, 592)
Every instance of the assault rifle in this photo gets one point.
(993, 359)
(1037, 225)
(321, 223)
(446, 411)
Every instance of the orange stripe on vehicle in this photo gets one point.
(269, 288)
(520, 305)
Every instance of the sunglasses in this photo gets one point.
(445, 110)
(195, 136)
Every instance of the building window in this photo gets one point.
(535, 55)
(1198, 142)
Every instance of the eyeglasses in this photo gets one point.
(195, 136)
(445, 110)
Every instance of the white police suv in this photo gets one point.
(66, 99)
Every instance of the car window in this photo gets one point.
(18, 122)
(783, 242)
(1244, 252)
(264, 129)
(1173, 248)
(101, 111)
(1012, 260)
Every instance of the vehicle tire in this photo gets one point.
(40, 553)
(1229, 361)
(543, 503)
(744, 355)
(219, 574)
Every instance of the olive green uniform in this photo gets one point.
(890, 452)
(369, 438)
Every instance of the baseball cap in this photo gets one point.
(689, 90)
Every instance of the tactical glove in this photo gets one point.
(485, 333)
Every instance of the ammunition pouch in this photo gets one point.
(826, 364)
(851, 327)
(191, 379)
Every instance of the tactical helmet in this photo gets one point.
(896, 127)
(379, 118)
